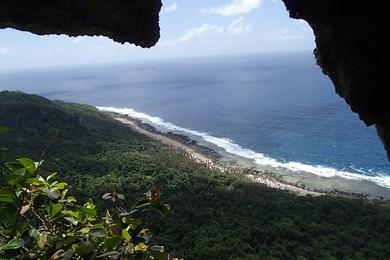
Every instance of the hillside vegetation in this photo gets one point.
(213, 215)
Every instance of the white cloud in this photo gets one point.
(236, 7)
(238, 26)
(4, 51)
(170, 8)
(282, 35)
(194, 34)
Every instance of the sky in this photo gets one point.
(188, 29)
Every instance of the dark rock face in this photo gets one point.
(133, 21)
(352, 48)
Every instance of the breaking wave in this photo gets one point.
(230, 147)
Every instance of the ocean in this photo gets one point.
(276, 110)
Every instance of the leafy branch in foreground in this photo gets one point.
(39, 219)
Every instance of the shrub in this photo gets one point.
(39, 219)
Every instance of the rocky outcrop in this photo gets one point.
(352, 49)
(352, 45)
(133, 21)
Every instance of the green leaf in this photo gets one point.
(51, 176)
(52, 193)
(35, 181)
(34, 233)
(12, 179)
(84, 247)
(28, 164)
(111, 243)
(69, 199)
(14, 166)
(98, 231)
(60, 185)
(88, 212)
(53, 209)
(42, 240)
(12, 244)
(126, 235)
(6, 195)
(72, 220)
(37, 164)
(89, 204)
(84, 230)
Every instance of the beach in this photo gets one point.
(299, 183)
(210, 161)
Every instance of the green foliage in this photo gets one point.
(214, 215)
(39, 219)
(2, 130)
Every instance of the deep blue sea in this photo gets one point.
(276, 109)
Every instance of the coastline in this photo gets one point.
(207, 156)
(197, 156)
(300, 183)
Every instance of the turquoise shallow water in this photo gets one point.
(277, 110)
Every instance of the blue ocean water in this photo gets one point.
(277, 109)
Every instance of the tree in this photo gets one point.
(39, 219)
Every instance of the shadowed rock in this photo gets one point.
(352, 49)
(133, 21)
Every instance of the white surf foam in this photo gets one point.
(232, 148)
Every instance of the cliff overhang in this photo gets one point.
(132, 21)
(352, 49)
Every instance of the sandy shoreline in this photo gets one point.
(167, 141)
(211, 162)
(297, 182)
